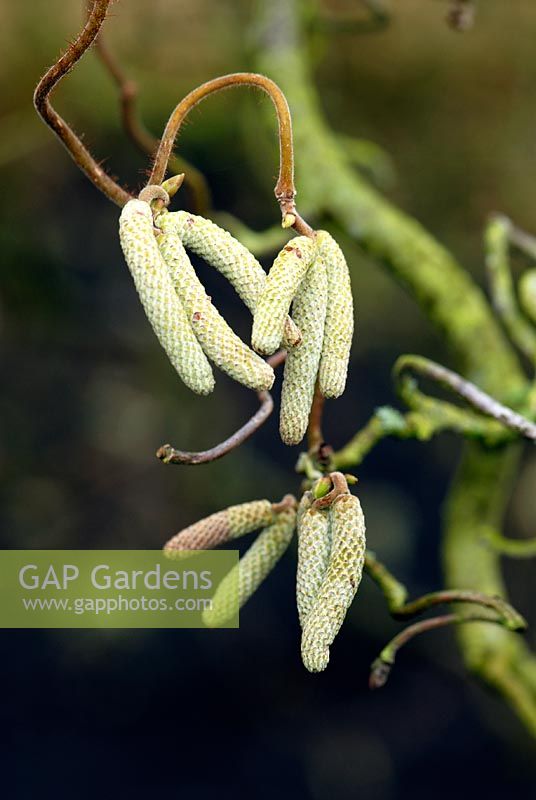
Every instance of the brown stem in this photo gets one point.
(169, 455)
(285, 191)
(340, 486)
(512, 618)
(381, 667)
(65, 133)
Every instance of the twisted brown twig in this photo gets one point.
(138, 133)
(63, 131)
(285, 190)
(170, 455)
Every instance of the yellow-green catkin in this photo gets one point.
(301, 366)
(339, 326)
(314, 546)
(163, 307)
(284, 278)
(252, 569)
(226, 254)
(218, 340)
(221, 527)
(339, 584)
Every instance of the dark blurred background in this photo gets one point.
(88, 396)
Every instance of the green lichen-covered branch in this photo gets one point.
(331, 188)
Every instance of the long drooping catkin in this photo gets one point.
(221, 527)
(244, 579)
(159, 299)
(217, 339)
(284, 278)
(301, 366)
(339, 326)
(340, 582)
(314, 545)
(228, 256)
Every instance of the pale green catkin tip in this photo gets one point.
(339, 584)
(527, 294)
(284, 278)
(339, 326)
(163, 308)
(301, 366)
(219, 342)
(244, 579)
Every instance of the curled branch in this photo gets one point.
(63, 131)
(285, 191)
(138, 133)
(472, 395)
(492, 609)
(381, 667)
(169, 455)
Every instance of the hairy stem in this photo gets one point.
(63, 131)
(284, 191)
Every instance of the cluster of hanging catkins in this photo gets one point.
(331, 553)
(311, 275)
(309, 278)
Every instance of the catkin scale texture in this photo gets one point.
(340, 582)
(301, 366)
(284, 278)
(159, 299)
(220, 527)
(252, 569)
(218, 340)
(339, 326)
(314, 545)
(220, 249)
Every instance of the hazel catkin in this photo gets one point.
(221, 527)
(284, 278)
(314, 545)
(162, 306)
(245, 578)
(301, 366)
(339, 326)
(229, 256)
(218, 340)
(340, 582)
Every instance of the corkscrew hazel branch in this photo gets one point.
(63, 131)
(170, 455)
(429, 416)
(472, 395)
(382, 666)
(284, 191)
(396, 594)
